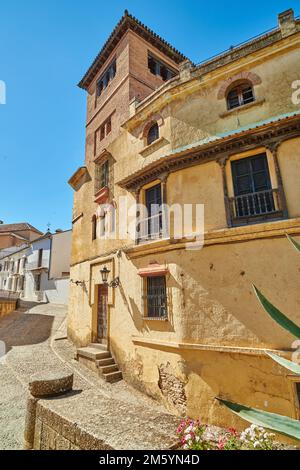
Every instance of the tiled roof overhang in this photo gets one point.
(129, 22)
(280, 128)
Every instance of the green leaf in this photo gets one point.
(279, 317)
(293, 242)
(278, 423)
(292, 366)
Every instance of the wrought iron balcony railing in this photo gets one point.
(150, 228)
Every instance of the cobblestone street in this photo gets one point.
(36, 342)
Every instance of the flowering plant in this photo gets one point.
(231, 441)
(257, 438)
(191, 434)
(197, 436)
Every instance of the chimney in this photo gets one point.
(287, 23)
(185, 70)
(58, 230)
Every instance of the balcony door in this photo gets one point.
(154, 212)
(252, 186)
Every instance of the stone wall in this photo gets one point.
(53, 432)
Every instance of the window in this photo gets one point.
(37, 282)
(101, 176)
(153, 133)
(298, 392)
(94, 227)
(104, 130)
(156, 297)
(40, 258)
(240, 95)
(252, 187)
(151, 226)
(157, 67)
(106, 78)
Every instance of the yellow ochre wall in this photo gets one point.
(212, 344)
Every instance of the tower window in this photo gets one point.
(157, 67)
(106, 77)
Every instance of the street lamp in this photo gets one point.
(104, 274)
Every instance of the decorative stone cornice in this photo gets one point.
(264, 135)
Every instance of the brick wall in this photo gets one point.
(132, 79)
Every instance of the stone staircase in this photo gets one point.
(97, 358)
(27, 304)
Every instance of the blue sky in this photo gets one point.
(45, 48)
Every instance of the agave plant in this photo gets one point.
(281, 424)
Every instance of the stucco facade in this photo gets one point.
(212, 339)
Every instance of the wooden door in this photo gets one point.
(102, 313)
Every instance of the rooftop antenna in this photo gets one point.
(48, 225)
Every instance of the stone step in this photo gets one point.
(105, 362)
(107, 369)
(102, 347)
(92, 353)
(113, 377)
(27, 305)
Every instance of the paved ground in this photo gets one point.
(35, 341)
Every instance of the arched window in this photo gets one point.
(153, 133)
(240, 95)
(94, 227)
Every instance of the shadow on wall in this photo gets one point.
(19, 329)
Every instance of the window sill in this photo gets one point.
(157, 144)
(245, 107)
(155, 318)
(78, 217)
(256, 219)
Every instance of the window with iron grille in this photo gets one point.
(157, 67)
(252, 186)
(106, 77)
(156, 297)
(240, 95)
(101, 176)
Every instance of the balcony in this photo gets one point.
(36, 266)
(257, 206)
(150, 228)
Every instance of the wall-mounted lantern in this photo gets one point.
(104, 274)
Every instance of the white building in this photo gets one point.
(39, 272)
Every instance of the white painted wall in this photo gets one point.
(54, 286)
(60, 254)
